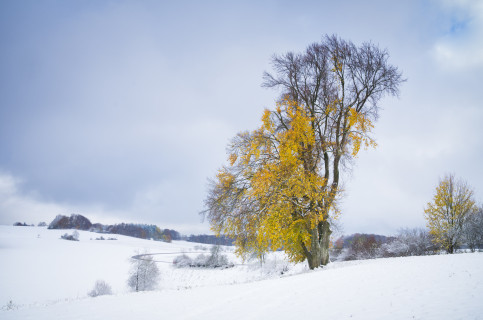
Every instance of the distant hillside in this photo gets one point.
(143, 231)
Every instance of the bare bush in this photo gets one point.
(214, 260)
(73, 237)
(410, 242)
(183, 261)
(10, 306)
(200, 261)
(100, 288)
(363, 247)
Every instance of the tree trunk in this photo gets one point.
(318, 255)
(451, 248)
(137, 281)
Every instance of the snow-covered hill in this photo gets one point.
(37, 267)
(48, 278)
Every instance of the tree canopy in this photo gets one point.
(449, 211)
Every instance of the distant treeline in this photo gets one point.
(143, 231)
(209, 239)
(348, 241)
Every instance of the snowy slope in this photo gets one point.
(435, 287)
(37, 267)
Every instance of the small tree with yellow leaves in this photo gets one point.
(280, 188)
(449, 211)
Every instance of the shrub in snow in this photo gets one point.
(73, 237)
(271, 265)
(409, 242)
(200, 261)
(214, 260)
(144, 273)
(183, 261)
(102, 238)
(10, 306)
(100, 288)
(42, 224)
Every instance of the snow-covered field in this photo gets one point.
(48, 278)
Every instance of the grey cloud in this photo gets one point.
(124, 109)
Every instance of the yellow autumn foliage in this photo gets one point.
(273, 195)
(288, 192)
(360, 125)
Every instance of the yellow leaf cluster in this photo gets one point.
(278, 169)
(360, 126)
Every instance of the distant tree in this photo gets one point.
(167, 237)
(100, 288)
(175, 235)
(75, 221)
(473, 230)
(42, 224)
(144, 274)
(447, 214)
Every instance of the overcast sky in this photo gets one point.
(121, 110)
